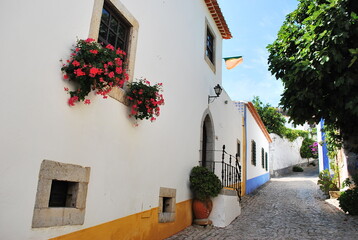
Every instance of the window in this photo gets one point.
(210, 45)
(253, 152)
(112, 23)
(266, 162)
(114, 28)
(262, 157)
(61, 195)
(238, 150)
(166, 210)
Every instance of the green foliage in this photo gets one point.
(326, 182)
(333, 140)
(297, 169)
(348, 200)
(204, 184)
(306, 149)
(275, 121)
(336, 172)
(293, 134)
(315, 57)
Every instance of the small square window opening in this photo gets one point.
(63, 194)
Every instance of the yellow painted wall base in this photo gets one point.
(140, 226)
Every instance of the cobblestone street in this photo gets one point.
(290, 207)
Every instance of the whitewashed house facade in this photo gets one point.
(123, 182)
(256, 139)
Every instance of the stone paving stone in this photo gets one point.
(287, 208)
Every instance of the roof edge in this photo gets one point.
(219, 19)
(258, 120)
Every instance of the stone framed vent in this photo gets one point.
(61, 194)
(167, 205)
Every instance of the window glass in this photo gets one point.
(114, 29)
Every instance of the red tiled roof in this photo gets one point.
(218, 17)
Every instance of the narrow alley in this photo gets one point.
(288, 208)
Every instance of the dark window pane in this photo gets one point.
(210, 45)
(122, 31)
(103, 30)
(120, 44)
(105, 16)
(112, 38)
(58, 194)
(114, 24)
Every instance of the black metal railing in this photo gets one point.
(229, 168)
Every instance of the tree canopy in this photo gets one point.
(274, 121)
(315, 57)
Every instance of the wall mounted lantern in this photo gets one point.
(218, 91)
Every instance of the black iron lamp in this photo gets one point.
(218, 91)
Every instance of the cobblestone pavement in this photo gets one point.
(286, 208)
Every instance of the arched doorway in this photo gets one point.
(207, 143)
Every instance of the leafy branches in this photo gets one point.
(315, 57)
(275, 122)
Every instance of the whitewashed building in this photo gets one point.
(256, 139)
(121, 181)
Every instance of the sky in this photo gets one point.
(253, 24)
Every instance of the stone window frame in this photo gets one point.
(45, 216)
(167, 195)
(211, 63)
(117, 6)
(253, 152)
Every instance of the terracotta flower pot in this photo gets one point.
(202, 210)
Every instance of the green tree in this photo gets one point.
(273, 120)
(315, 57)
(306, 149)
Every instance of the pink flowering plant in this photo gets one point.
(145, 99)
(93, 67)
(314, 149)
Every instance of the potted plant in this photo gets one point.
(326, 182)
(204, 185)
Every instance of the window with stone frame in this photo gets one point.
(210, 42)
(61, 195)
(167, 205)
(113, 24)
(253, 152)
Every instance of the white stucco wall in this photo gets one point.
(128, 164)
(226, 209)
(284, 153)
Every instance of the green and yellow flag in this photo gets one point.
(232, 62)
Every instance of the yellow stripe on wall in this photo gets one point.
(140, 226)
